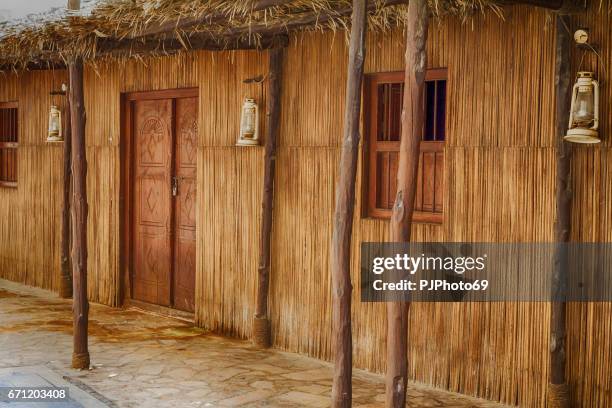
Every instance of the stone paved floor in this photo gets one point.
(142, 360)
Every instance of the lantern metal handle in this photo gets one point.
(572, 105)
(596, 105)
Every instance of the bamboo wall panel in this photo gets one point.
(30, 214)
(230, 182)
(499, 187)
(102, 141)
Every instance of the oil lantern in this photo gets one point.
(249, 124)
(584, 111)
(55, 125)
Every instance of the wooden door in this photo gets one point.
(163, 184)
(185, 204)
(152, 228)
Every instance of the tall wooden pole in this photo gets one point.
(558, 393)
(66, 277)
(261, 323)
(343, 215)
(80, 305)
(66, 266)
(401, 220)
(74, 4)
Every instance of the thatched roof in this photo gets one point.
(129, 28)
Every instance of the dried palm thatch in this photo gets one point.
(133, 28)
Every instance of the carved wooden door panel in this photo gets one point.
(152, 229)
(185, 203)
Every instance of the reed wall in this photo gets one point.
(30, 213)
(590, 325)
(499, 172)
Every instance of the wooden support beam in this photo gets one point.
(401, 221)
(261, 323)
(66, 264)
(549, 4)
(125, 48)
(342, 343)
(80, 305)
(33, 66)
(74, 4)
(558, 392)
(214, 18)
(560, 6)
(118, 48)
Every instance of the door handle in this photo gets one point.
(174, 186)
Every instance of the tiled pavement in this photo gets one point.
(142, 360)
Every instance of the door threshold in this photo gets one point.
(162, 311)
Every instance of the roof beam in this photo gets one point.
(119, 48)
(557, 5)
(126, 48)
(187, 22)
(47, 65)
(549, 4)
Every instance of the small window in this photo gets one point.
(8, 144)
(383, 112)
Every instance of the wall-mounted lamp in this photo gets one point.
(55, 125)
(249, 124)
(584, 111)
(249, 119)
(54, 133)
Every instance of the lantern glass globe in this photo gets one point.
(583, 108)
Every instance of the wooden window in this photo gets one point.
(8, 144)
(383, 111)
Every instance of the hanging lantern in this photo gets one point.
(55, 125)
(249, 124)
(584, 112)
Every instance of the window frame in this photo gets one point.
(370, 128)
(11, 145)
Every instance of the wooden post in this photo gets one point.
(74, 4)
(558, 393)
(343, 215)
(261, 322)
(66, 264)
(66, 277)
(80, 307)
(401, 220)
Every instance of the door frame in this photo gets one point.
(126, 148)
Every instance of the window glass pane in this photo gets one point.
(430, 104)
(8, 147)
(441, 111)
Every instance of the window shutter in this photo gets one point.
(383, 110)
(8, 144)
